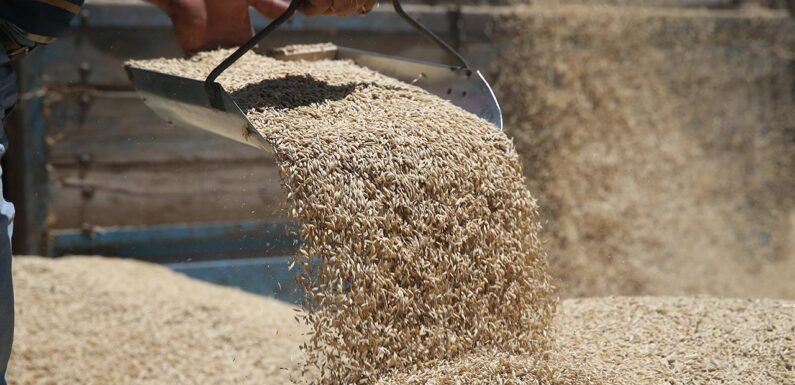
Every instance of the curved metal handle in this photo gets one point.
(251, 43)
(209, 84)
(430, 35)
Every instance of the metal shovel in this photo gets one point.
(207, 106)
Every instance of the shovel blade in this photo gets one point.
(467, 89)
(184, 102)
(464, 88)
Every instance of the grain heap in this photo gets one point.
(499, 368)
(109, 322)
(666, 340)
(417, 209)
(85, 320)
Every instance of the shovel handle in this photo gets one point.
(294, 4)
(430, 35)
(251, 43)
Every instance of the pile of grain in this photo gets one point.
(659, 340)
(489, 368)
(659, 143)
(645, 340)
(110, 322)
(417, 210)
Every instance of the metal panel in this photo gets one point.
(271, 277)
(181, 243)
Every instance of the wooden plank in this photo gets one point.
(26, 172)
(97, 56)
(192, 192)
(116, 128)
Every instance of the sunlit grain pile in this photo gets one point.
(493, 367)
(418, 211)
(659, 142)
(644, 340)
(114, 322)
(110, 322)
(659, 340)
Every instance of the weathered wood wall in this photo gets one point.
(112, 162)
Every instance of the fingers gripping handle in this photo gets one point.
(294, 4)
(213, 88)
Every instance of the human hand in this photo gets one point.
(337, 7)
(208, 24)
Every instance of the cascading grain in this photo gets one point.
(426, 235)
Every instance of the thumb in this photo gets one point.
(270, 8)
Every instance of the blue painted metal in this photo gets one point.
(270, 277)
(180, 243)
